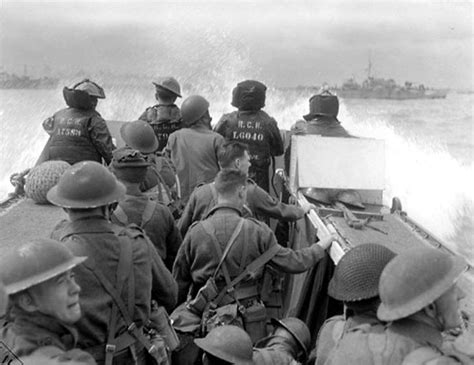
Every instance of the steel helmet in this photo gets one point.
(42, 178)
(86, 184)
(356, 276)
(228, 343)
(325, 104)
(193, 108)
(416, 278)
(170, 84)
(351, 198)
(140, 136)
(91, 88)
(298, 329)
(35, 262)
(126, 157)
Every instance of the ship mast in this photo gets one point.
(369, 67)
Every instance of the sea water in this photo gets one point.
(429, 143)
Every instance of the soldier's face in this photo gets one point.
(243, 163)
(448, 308)
(58, 297)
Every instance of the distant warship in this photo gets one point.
(12, 81)
(379, 88)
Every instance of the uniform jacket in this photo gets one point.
(78, 135)
(259, 202)
(164, 119)
(406, 342)
(39, 334)
(161, 228)
(193, 152)
(256, 129)
(197, 260)
(334, 329)
(95, 237)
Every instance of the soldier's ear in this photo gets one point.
(26, 302)
(431, 311)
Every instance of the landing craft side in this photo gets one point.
(355, 165)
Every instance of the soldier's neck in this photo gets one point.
(78, 214)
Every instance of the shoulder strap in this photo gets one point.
(122, 272)
(214, 192)
(250, 271)
(208, 228)
(121, 216)
(148, 212)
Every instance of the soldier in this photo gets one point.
(130, 168)
(235, 276)
(261, 204)
(226, 345)
(193, 149)
(419, 299)
(123, 267)
(321, 120)
(44, 300)
(288, 345)
(254, 127)
(160, 181)
(78, 132)
(165, 116)
(356, 283)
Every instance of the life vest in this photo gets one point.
(70, 139)
(164, 119)
(255, 130)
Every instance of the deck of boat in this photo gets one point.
(26, 220)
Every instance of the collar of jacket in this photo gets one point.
(369, 317)
(36, 323)
(419, 332)
(223, 206)
(323, 120)
(93, 224)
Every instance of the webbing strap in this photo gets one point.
(213, 191)
(251, 270)
(163, 183)
(208, 228)
(148, 211)
(125, 270)
(121, 216)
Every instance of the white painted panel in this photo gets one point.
(339, 163)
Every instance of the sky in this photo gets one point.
(283, 43)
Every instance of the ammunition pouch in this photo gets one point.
(161, 323)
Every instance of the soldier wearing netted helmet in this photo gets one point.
(356, 283)
(44, 302)
(165, 116)
(130, 168)
(123, 267)
(419, 301)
